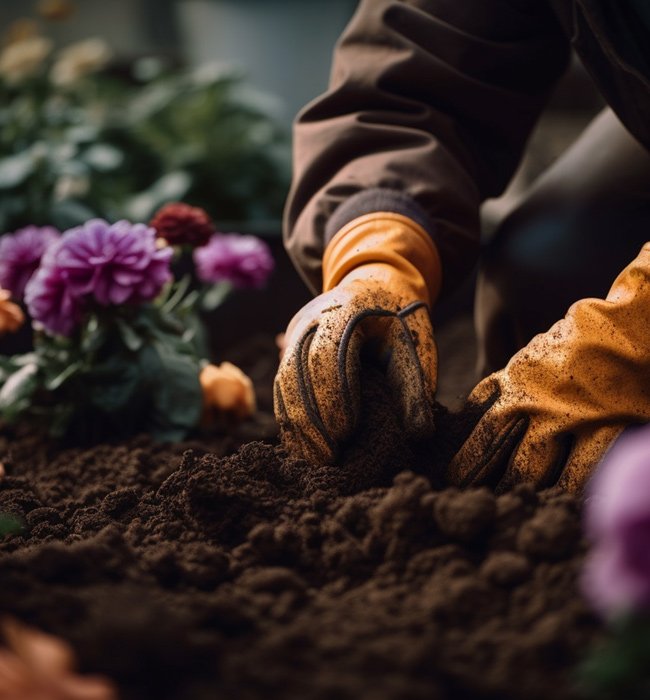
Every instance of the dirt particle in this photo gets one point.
(506, 568)
(465, 515)
(549, 534)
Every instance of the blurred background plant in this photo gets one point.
(616, 576)
(80, 138)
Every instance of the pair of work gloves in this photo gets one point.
(548, 417)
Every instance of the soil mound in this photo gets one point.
(186, 572)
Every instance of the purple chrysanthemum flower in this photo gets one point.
(616, 577)
(100, 262)
(115, 263)
(244, 261)
(48, 297)
(20, 256)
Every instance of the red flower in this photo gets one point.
(181, 224)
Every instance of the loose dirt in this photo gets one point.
(223, 568)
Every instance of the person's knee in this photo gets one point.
(582, 222)
(546, 256)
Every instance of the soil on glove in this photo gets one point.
(223, 568)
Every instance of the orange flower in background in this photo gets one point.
(20, 29)
(38, 666)
(11, 315)
(55, 10)
(227, 389)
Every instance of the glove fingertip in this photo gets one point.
(279, 407)
(487, 454)
(486, 393)
(565, 448)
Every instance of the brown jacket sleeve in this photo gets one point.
(429, 107)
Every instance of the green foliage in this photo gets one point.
(133, 370)
(119, 148)
(620, 666)
(207, 125)
(9, 525)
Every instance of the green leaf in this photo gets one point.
(176, 391)
(170, 187)
(114, 384)
(15, 169)
(27, 358)
(94, 336)
(130, 337)
(189, 303)
(60, 419)
(216, 295)
(84, 133)
(103, 157)
(18, 389)
(619, 667)
(57, 381)
(177, 293)
(9, 525)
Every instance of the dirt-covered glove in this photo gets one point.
(561, 401)
(381, 273)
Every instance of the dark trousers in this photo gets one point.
(578, 226)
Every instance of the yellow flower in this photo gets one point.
(11, 315)
(227, 389)
(38, 666)
(79, 60)
(22, 59)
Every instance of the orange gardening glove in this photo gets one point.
(381, 273)
(561, 401)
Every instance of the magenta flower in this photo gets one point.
(616, 577)
(244, 261)
(48, 297)
(97, 262)
(113, 263)
(20, 256)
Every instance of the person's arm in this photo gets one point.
(428, 112)
(429, 107)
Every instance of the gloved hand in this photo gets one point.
(381, 273)
(552, 412)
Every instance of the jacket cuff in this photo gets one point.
(374, 200)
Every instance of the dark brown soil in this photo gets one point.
(183, 573)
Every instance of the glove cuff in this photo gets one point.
(385, 238)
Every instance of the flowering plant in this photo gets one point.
(80, 140)
(118, 342)
(616, 576)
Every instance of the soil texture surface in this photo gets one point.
(223, 568)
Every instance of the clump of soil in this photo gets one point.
(186, 572)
